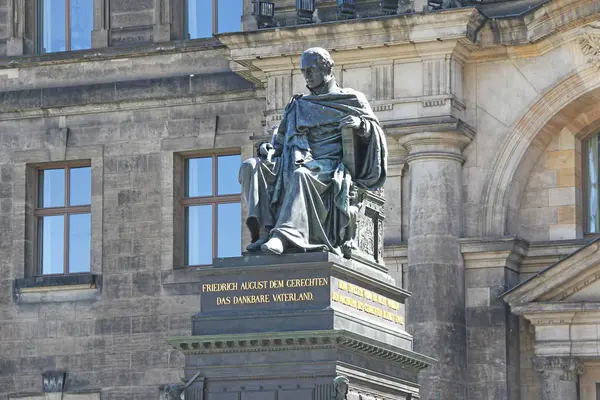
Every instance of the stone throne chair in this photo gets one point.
(368, 236)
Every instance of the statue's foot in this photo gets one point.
(275, 245)
(255, 246)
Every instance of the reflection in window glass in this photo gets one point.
(199, 16)
(229, 229)
(229, 15)
(199, 235)
(52, 230)
(227, 174)
(80, 240)
(54, 26)
(51, 188)
(591, 184)
(199, 177)
(82, 21)
(80, 186)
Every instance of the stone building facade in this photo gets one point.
(491, 111)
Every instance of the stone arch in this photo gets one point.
(574, 103)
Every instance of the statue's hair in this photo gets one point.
(340, 379)
(323, 57)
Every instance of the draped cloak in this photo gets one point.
(308, 188)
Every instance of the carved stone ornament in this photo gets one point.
(590, 46)
(568, 367)
(53, 381)
(340, 388)
(172, 392)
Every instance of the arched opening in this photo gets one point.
(574, 105)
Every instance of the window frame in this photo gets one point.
(66, 211)
(39, 27)
(213, 200)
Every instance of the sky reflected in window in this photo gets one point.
(82, 23)
(51, 188)
(80, 186)
(54, 26)
(80, 230)
(227, 174)
(199, 235)
(53, 244)
(230, 16)
(229, 229)
(199, 177)
(200, 18)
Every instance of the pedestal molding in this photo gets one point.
(302, 340)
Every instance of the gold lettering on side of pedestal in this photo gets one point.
(368, 301)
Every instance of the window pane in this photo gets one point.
(199, 18)
(199, 235)
(230, 16)
(199, 177)
(80, 232)
(229, 230)
(82, 21)
(80, 186)
(54, 25)
(52, 242)
(227, 174)
(51, 188)
(591, 155)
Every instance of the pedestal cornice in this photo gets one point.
(303, 340)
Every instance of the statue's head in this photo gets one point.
(341, 387)
(317, 67)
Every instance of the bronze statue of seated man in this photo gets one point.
(298, 190)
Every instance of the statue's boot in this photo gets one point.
(255, 246)
(275, 245)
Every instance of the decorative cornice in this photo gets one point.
(557, 279)
(549, 318)
(300, 340)
(569, 367)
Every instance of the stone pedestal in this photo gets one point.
(559, 377)
(283, 327)
(436, 276)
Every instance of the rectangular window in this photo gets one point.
(65, 25)
(63, 219)
(205, 17)
(212, 208)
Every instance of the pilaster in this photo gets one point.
(16, 26)
(436, 273)
(162, 21)
(493, 350)
(559, 377)
(101, 24)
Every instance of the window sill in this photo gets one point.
(57, 288)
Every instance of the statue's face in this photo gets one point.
(314, 75)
